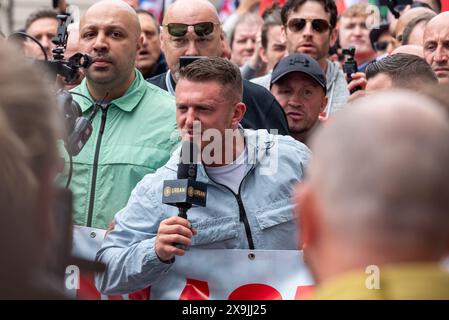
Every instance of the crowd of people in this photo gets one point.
(297, 152)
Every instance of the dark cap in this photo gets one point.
(298, 62)
(375, 33)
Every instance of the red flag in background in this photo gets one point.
(264, 4)
(444, 5)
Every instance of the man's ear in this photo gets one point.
(323, 104)
(239, 112)
(263, 55)
(305, 211)
(140, 42)
(333, 37)
(161, 38)
(283, 34)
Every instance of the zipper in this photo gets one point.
(104, 110)
(242, 212)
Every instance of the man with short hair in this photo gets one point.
(243, 38)
(405, 18)
(150, 59)
(42, 25)
(29, 237)
(400, 70)
(299, 84)
(192, 28)
(414, 30)
(242, 187)
(353, 32)
(271, 49)
(310, 28)
(133, 121)
(373, 210)
(436, 46)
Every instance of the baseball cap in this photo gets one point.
(299, 62)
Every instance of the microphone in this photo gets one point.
(185, 191)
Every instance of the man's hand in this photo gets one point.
(358, 80)
(62, 6)
(172, 231)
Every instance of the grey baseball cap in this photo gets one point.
(298, 62)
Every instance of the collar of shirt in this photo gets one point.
(127, 102)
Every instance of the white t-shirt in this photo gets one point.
(230, 175)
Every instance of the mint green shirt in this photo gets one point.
(138, 137)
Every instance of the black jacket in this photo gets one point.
(262, 109)
(159, 68)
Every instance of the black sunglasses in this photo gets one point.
(180, 29)
(381, 45)
(319, 25)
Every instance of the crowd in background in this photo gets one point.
(356, 101)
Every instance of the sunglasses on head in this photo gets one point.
(180, 29)
(319, 25)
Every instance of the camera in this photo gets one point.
(395, 6)
(78, 128)
(350, 66)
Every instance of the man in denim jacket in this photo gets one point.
(249, 177)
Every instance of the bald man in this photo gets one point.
(436, 46)
(408, 16)
(133, 122)
(414, 49)
(179, 38)
(373, 209)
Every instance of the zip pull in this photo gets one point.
(103, 118)
(241, 208)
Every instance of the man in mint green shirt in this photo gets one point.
(134, 132)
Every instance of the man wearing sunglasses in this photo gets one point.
(192, 28)
(309, 28)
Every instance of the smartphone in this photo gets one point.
(184, 61)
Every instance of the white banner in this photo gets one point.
(236, 275)
(206, 274)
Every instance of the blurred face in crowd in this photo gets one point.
(206, 42)
(308, 40)
(353, 32)
(208, 103)
(436, 46)
(151, 47)
(43, 29)
(386, 41)
(110, 34)
(417, 34)
(405, 18)
(276, 48)
(244, 42)
(302, 100)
